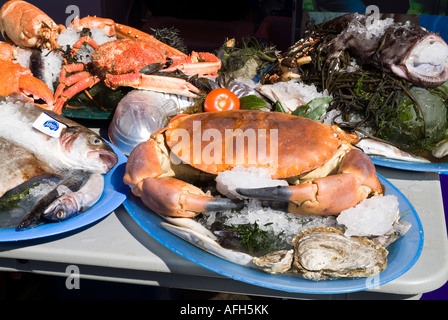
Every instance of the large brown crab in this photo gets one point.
(326, 173)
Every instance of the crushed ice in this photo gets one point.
(68, 37)
(283, 224)
(374, 29)
(240, 177)
(374, 216)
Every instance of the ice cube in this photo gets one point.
(374, 216)
(240, 177)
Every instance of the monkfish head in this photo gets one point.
(426, 63)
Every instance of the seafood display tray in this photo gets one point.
(115, 192)
(403, 254)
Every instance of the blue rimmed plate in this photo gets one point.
(115, 192)
(403, 254)
(409, 165)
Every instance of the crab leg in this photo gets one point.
(153, 82)
(200, 63)
(78, 44)
(355, 180)
(123, 32)
(76, 82)
(90, 22)
(161, 192)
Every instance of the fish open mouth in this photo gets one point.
(104, 160)
(427, 62)
(109, 159)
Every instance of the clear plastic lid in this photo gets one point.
(138, 115)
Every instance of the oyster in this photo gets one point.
(399, 229)
(326, 253)
(275, 262)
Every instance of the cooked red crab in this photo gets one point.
(326, 173)
(119, 63)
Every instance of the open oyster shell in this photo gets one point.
(275, 262)
(326, 253)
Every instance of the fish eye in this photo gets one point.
(96, 141)
(60, 214)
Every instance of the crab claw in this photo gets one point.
(176, 198)
(279, 193)
(149, 177)
(354, 181)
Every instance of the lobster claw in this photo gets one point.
(16, 79)
(35, 90)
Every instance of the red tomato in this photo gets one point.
(221, 99)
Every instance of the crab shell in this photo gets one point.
(326, 174)
(301, 145)
(123, 56)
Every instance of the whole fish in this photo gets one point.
(76, 199)
(18, 165)
(77, 158)
(374, 147)
(75, 193)
(407, 50)
(77, 147)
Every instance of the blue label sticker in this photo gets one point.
(46, 124)
(52, 125)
